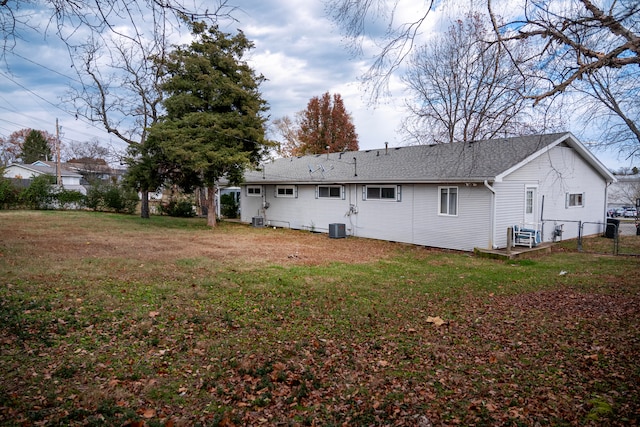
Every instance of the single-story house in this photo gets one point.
(459, 196)
(70, 179)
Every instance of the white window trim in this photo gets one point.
(396, 188)
(294, 194)
(254, 187)
(567, 201)
(340, 197)
(448, 187)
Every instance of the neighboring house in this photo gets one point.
(625, 192)
(70, 179)
(93, 170)
(459, 196)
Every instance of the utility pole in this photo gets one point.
(58, 164)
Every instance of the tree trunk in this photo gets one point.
(211, 206)
(144, 205)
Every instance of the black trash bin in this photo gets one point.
(612, 228)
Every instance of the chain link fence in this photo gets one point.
(620, 236)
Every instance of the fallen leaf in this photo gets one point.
(154, 314)
(149, 413)
(436, 320)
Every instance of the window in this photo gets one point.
(254, 191)
(286, 191)
(575, 200)
(387, 192)
(448, 201)
(528, 201)
(330, 192)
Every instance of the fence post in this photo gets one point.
(579, 236)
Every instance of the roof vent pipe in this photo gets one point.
(386, 148)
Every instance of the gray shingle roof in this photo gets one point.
(476, 161)
(49, 169)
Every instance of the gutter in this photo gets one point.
(486, 184)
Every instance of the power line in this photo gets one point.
(45, 67)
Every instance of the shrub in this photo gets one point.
(9, 194)
(103, 196)
(94, 197)
(228, 206)
(120, 199)
(183, 209)
(70, 199)
(39, 194)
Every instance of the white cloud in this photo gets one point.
(297, 48)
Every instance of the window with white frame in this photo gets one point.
(330, 192)
(286, 191)
(575, 200)
(381, 192)
(254, 190)
(448, 201)
(528, 201)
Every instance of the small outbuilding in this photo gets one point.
(458, 196)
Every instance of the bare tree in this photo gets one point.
(612, 98)
(359, 19)
(576, 38)
(66, 18)
(86, 150)
(465, 89)
(582, 35)
(288, 130)
(121, 79)
(590, 46)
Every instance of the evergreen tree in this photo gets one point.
(214, 127)
(35, 147)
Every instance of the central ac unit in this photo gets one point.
(257, 221)
(337, 231)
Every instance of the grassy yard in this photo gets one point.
(113, 320)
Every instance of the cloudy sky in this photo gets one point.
(297, 48)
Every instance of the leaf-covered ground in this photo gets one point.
(109, 320)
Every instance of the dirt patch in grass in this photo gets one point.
(231, 242)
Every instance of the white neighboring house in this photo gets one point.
(625, 192)
(459, 196)
(70, 179)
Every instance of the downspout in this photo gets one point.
(606, 208)
(493, 213)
